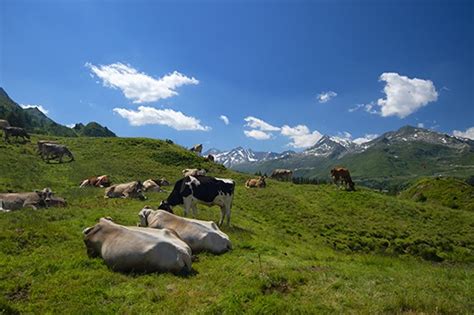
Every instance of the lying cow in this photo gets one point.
(15, 132)
(151, 185)
(127, 190)
(193, 172)
(342, 175)
(136, 249)
(256, 182)
(282, 174)
(4, 123)
(34, 200)
(50, 151)
(209, 158)
(206, 190)
(96, 181)
(199, 235)
(162, 182)
(57, 202)
(196, 149)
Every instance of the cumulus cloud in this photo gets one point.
(468, 133)
(167, 117)
(259, 124)
(41, 108)
(404, 96)
(138, 86)
(224, 119)
(257, 134)
(365, 138)
(301, 136)
(325, 97)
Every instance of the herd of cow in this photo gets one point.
(163, 241)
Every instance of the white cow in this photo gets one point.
(151, 185)
(199, 235)
(137, 249)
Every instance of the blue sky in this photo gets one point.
(376, 66)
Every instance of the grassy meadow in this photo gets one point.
(297, 248)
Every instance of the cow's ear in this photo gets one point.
(87, 230)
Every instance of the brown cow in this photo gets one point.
(342, 175)
(209, 158)
(97, 181)
(256, 182)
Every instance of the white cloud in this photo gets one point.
(167, 117)
(257, 123)
(300, 136)
(138, 86)
(365, 138)
(41, 108)
(325, 97)
(404, 96)
(258, 134)
(469, 133)
(224, 119)
(420, 125)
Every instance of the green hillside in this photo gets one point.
(297, 248)
(446, 191)
(34, 121)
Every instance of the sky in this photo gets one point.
(267, 75)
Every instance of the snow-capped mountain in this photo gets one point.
(332, 147)
(241, 155)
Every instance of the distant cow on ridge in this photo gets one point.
(282, 174)
(197, 149)
(342, 175)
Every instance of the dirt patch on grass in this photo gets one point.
(20, 293)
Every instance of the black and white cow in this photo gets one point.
(206, 190)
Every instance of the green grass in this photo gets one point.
(297, 248)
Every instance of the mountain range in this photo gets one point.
(35, 121)
(391, 159)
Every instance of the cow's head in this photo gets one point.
(45, 195)
(103, 181)
(262, 182)
(138, 190)
(143, 215)
(93, 246)
(164, 205)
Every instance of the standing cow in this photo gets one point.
(127, 190)
(34, 200)
(196, 149)
(137, 249)
(206, 190)
(40, 144)
(16, 132)
(342, 175)
(199, 235)
(50, 151)
(282, 174)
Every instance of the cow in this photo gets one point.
(196, 149)
(342, 175)
(193, 172)
(127, 190)
(15, 132)
(256, 182)
(151, 185)
(206, 190)
(199, 235)
(162, 182)
(4, 123)
(40, 144)
(137, 249)
(57, 202)
(34, 200)
(282, 174)
(96, 181)
(50, 151)
(209, 158)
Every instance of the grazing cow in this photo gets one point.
(40, 144)
(282, 174)
(4, 123)
(206, 190)
(136, 249)
(209, 158)
(34, 200)
(193, 172)
(342, 175)
(127, 190)
(256, 182)
(50, 151)
(97, 181)
(199, 235)
(151, 185)
(197, 149)
(15, 132)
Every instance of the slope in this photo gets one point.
(297, 248)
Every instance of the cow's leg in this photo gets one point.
(188, 204)
(223, 211)
(194, 208)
